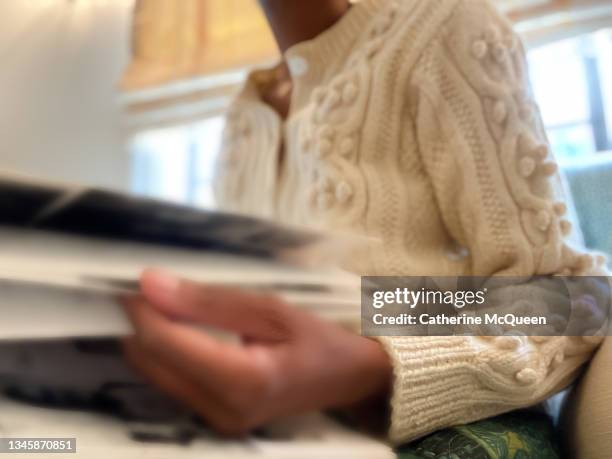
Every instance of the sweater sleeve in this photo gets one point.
(484, 149)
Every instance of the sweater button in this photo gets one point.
(509, 343)
(558, 358)
(479, 49)
(298, 66)
(586, 262)
(541, 151)
(560, 208)
(344, 192)
(543, 220)
(550, 168)
(527, 376)
(566, 227)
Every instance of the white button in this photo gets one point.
(298, 66)
(560, 208)
(543, 220)
(527, 376)
(344, 192)
(479, 49)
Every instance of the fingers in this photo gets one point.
(252, 315)
(165, 377)
(185, 390)
(211, 363)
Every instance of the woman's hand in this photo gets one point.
(290, 362)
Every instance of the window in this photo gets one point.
(177, 163)
(571, 81)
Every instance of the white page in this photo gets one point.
(48, 255)
(98, 436)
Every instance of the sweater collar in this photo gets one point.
(321, 52)
(330, 45)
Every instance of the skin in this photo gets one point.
(288, 362)
(292, 22)
(295, 21)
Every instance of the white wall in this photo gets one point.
(60, 62)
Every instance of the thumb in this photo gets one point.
(249, 314)
(160, 288)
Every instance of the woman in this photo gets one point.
(410, 121)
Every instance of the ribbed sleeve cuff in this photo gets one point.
(434, 384)
(441, 382)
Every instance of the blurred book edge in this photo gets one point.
(67, 254)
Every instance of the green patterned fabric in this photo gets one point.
(518, 435)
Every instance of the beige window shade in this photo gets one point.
(543, 21)
(183, 50)
(174, 40)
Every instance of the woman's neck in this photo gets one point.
(294, 21)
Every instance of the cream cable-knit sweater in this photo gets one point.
(412, 121)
